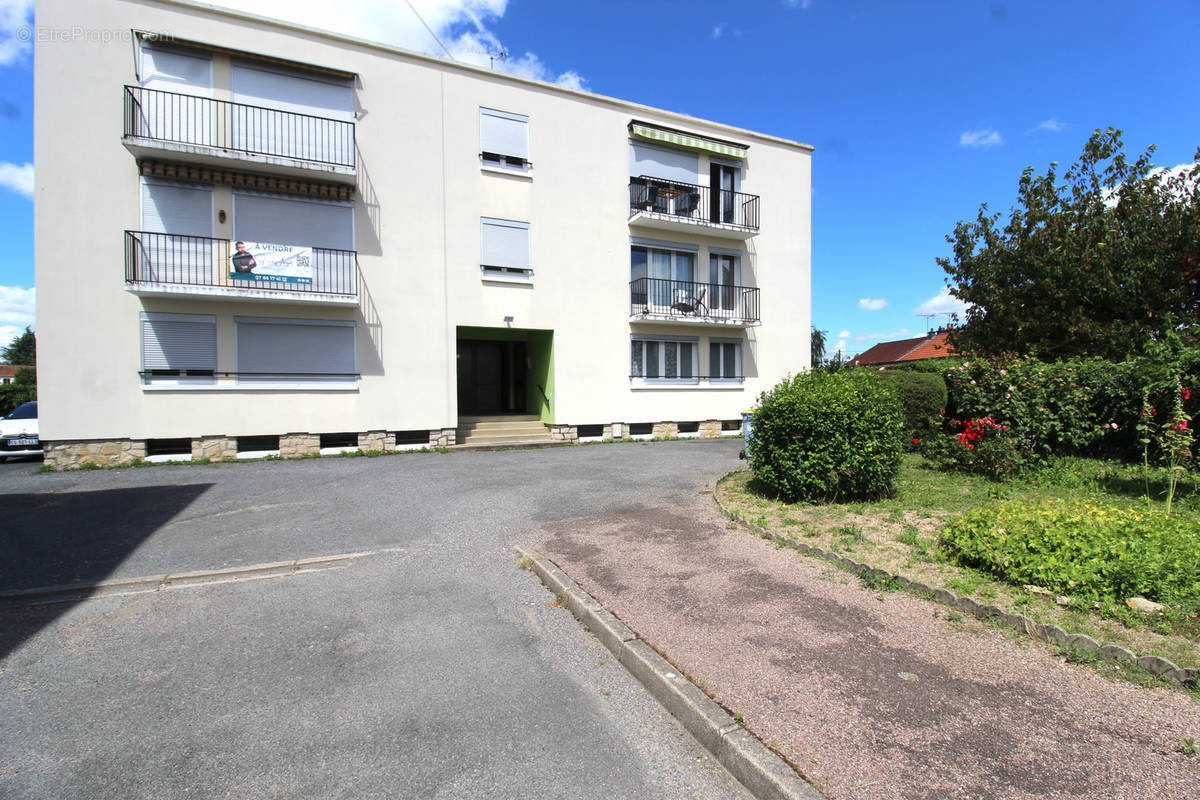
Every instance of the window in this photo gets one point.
(178, 348)
(504, 139)
(723, 268)
(661, 358)
(661, 278)
(273, 350)
(725, 359)
(504, 246)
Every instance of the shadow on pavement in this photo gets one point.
(75, 537)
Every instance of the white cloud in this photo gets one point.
(942, 303)
(460, 25)
(17, 177)
(883, 337)
(16, 311)
(844, 335)
(717, 31)
(1052, 125)
(798, 3)
(16, 26)
(980, 139)
(840, 346)
(870, 304)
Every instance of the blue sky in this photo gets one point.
(919, 110)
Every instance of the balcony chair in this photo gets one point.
(687, 203)
(686, 303)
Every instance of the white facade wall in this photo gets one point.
(420, 195)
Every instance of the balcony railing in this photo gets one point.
(204, 122)
(692, 202)
(692, 301)
(165, 258)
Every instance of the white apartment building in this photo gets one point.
(255, 237)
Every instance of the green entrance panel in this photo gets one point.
(505, 371)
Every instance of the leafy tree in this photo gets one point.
(21, 350)
(818, 347)
(1095, 263)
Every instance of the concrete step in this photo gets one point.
(506, 438)
(499, 418)
(514, 429)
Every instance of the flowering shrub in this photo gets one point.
(1172, 438)
(1080, 548)
(823, 436)
(1047, 407)
(982, 447)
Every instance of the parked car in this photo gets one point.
(19, 432)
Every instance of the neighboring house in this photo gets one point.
(932, 345)
(327, 242)
(8, 372)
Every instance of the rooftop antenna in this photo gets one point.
(928, 321)
(492, 55)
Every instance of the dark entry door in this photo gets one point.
(491, 378)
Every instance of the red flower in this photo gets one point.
(1187, 395)
(916, 441)
(970, 447)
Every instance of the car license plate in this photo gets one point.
(22, 442)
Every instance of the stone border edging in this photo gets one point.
(760, 770)
(62, 593)
(1155, 665)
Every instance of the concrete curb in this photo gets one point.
(1157, 666)
(765, 774)
(69, 592)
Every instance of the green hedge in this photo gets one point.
(823, 436)
(1081, 549)
(922, 398)
(13, 394)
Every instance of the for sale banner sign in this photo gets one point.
(270, 263)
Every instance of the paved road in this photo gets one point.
(431, 668)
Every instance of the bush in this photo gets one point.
(922, 398)
(1082, 549)
(982, 447)
(823, 436)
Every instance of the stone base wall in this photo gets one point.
(112, 453)
(374, 441)
(563, 433)
(214, 448)
(443, 437)
(663, 430)
(298, 445)
(67, 455)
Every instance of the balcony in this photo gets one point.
(169, 265)
(201, 130)
(671, 205)
(692, 303)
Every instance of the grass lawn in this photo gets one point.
(900, 535)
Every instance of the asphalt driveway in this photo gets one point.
(427, 667)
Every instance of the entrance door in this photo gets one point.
(491, 378)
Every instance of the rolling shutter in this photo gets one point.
(256, 86)
(179, 341)
(658, 162)
(274, 219)
(173, 71)
(505, 244)
(503, 133)
(177, 208)
(295, 347)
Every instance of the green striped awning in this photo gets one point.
(690, 141)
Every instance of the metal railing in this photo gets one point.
(689, 201)
(203, 261)
(205, 122)
(693, 300)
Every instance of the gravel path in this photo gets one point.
(873, 695)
